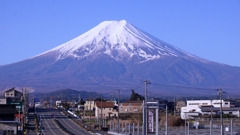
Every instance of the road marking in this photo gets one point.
(49, 127)
(46, 116)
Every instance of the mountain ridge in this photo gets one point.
(108, 57)
(118, 39)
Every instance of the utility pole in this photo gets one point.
(166, 124)
(101, 109)
(90, 110)
(174, 108)
(118, 111)
(211, 119)
(22, 107)
(145, 119)
(220, 92)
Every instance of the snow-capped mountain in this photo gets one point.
(116, 55)
(119, 40)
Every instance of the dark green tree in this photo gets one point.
(99, 99)
(135, 96)
(82, 102)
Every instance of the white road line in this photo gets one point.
(56, 126)
(49, 127)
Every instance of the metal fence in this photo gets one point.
(231, 126)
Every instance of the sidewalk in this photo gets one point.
(31, 125)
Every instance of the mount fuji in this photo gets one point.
(116, 55)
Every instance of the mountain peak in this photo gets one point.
(118, 39)
(120, 23)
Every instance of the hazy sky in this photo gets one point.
(207, 28)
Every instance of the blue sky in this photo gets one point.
(207, 28)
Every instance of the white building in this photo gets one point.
(194, 107)
(58, 103)
(89, 104)
(214, 103)
(105, 109)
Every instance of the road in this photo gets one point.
(50, 127)
(73, 127)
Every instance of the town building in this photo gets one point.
(105, 109)
(89, 104)
(131, 107)
(196, 108)
(8, 119)
(3, 101)
(180, 104)
(13, 94)
(8, 112)
(11, 111)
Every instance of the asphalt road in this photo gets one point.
(51, 128)
(72, 126)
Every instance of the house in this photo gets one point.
(131, 107)
(180, 104)
(195, 108)
(89, 104)
(13, 94)
(105, 109)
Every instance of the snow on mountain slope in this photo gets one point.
(119, 40)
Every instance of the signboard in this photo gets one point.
(19, 108)
(36, 100)
(150, 121)
(18, 105)
(19, 117)
(15, 103)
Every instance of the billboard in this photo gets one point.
(36, 100)
(150, 121)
